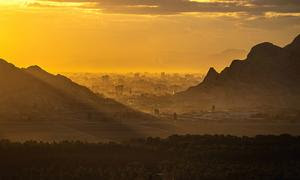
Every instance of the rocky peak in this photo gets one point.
(36, 70)
(4, 63)
(264, 50)
(211, 76)
(296, 40)
(295, 45)
(6, 67)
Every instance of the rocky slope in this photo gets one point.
(32, 98)
(268, 77)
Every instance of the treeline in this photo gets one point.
(187, 157)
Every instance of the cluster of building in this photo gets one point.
(136, 89)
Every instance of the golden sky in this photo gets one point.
(140, 35)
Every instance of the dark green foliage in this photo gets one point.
(177, 157)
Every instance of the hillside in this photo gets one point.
(36, 104)
(268, 77)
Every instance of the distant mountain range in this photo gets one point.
(268, 77)
(34, 96)
(221, 59)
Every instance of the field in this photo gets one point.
(229, 123)
(242, 123)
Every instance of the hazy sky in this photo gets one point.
(140, 35)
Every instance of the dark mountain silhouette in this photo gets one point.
(34, 96)
(268, 77)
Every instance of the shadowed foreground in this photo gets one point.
(177, 157)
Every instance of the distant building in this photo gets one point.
(156, 112)
(121, 80)
(176, 75)
(105, 78)
(175, 88)
(130, 91)
(175, 116)
(189, 76)
(213, 108)
(119, 89)
(162, 75)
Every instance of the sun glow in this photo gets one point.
(15, 2)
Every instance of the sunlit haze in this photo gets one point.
(127, 36)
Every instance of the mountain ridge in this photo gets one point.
(268, 72)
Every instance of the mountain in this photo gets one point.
(35, 104)
(268, 77)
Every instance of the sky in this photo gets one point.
(141, 35)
